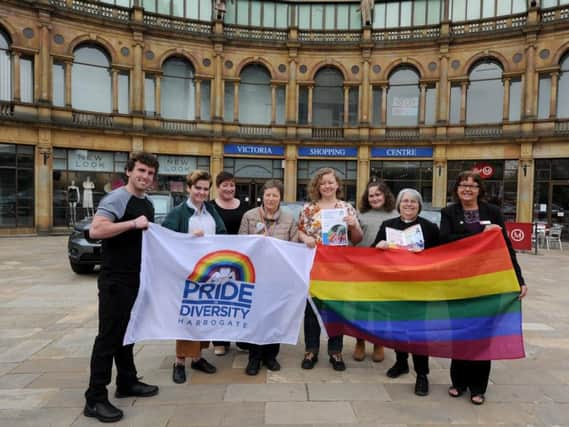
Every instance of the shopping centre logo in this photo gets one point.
(221, 286)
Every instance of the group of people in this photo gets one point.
(125, 212)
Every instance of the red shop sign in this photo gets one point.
(485, 170)
(520, 235)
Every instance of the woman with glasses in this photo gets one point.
(409, 204)
(470, 215)
(198, 217)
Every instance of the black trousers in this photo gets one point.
(420, 363)
(116, 298)
(472, 374)
(312, 334)
(263, 352)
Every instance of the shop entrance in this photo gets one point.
(552, 203)
(250, 192)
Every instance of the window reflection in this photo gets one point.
(177, 92)
(91, 79)
(5, 69)
(403, 97)
(255, 95)
(328, 98)
(563, 89)
(485, 95)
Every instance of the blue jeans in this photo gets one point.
(312, 334)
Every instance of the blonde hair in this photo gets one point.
(198, 175)
(313, 188)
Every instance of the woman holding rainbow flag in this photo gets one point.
(325, 190)
(469, 216)
(409, 204)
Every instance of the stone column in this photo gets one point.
(217, 99)
(44, 188)
(216, 163)
(16, 90)
(443, 90)
(290, 173)
(526, 174)
(273, 104)
(530, 92)
(365, 113)
(68, 70)
(506, 109)
(157, 92)
(291, 93)
(553, 97)
(363, 170)
(463, 90)
(198, 97)
(384, 105)
(45, 63)
(346, 105)
(137, 79)
(422, 104)
(236, 101)
(115, 91)
(439, 176)
(310, 89)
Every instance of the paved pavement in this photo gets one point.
(48, 321)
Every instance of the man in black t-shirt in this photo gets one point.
(119, 221)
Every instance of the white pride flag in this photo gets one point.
(220, 288)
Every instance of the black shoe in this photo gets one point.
(422, 385)
(272, 365)
(138, 389)
(310, 359)
(179, 373)
(105, 412)
(337, 362)
(204, 366)
(397, 369)
(253, 367)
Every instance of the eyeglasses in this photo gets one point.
(469, 186)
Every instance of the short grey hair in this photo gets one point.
(413, 193)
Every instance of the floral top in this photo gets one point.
(310, 222)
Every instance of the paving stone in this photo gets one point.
(347, 392)
(51, 417)
(22, 350)
(218, 414)
(228, 376)
(181, 394)
(61, 380)
(19, 399)
(309, 413)
(12, 381)
(417, 411)
(70, 364)
(266, 393)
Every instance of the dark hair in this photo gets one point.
(222, 177)
(144, 158)
(198, 175)
(388, 204)
(274, 183)
(463, 176)
(313, 187)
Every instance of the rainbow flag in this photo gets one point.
(458, 300)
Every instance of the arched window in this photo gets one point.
(485, 95)
(563, 89)
(255, 95)
(5, 68)
(177, 95)
(91, 80)
(403, 97)
(328, 99)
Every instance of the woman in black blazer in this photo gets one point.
(469, 216)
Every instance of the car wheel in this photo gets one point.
(81, 268)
